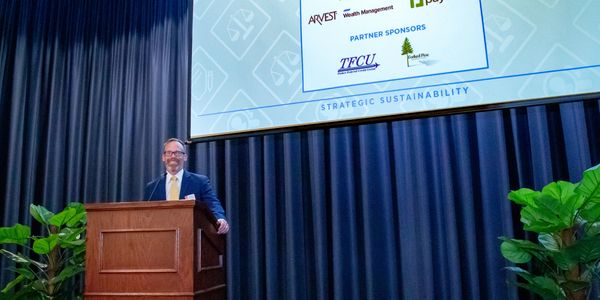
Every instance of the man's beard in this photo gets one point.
(173, 165)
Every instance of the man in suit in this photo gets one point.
(177, 183)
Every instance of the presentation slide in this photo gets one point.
(259, 66)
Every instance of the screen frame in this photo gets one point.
(500, 105)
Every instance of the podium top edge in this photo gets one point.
(143, 204)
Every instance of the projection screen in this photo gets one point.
(258, 66)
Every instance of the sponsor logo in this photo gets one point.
(348, 13)
(420, 3)
(412, 58)
(359, 63)
(324, 17)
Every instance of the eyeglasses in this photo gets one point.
(176, 153)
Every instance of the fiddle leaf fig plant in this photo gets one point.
(55, 258)
(565, 216)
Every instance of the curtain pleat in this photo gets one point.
(408, 209)
(377, 215)
(345, 225)
(493, 182)
(575, 135)
(318, 217)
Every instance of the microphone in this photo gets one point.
(153, 190)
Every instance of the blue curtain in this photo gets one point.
(407, 209)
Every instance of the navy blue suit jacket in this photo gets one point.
(191, 183)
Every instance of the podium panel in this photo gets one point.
(153, 250)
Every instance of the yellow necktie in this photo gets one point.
(173, 189)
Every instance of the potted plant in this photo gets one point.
(55, 259)
(565, 216)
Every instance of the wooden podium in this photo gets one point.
(153, 250)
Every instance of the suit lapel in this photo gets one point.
(185, 185)
(161, 193)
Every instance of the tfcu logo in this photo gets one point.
(359, 63)
(324, 17)
(419, 3)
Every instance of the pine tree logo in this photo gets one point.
(406, 50)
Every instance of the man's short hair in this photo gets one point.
(174, 140)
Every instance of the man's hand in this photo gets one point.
(223, 226)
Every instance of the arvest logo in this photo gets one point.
(324, 17)
(419, 3)
(359, 63)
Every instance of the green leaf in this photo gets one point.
(521, 273)
(63, 217)
(534, 249)
(593, 229)
(553, 209)
(67, 273)
(547, 240)
(565, 192)
(13, 283)
(17, 258)
(523, 196)
(45, 245)
(586, 250)
(71, 234)
(556, 211)
(589, 186)
(591, 212)
(543, 286)
(556, 189)
(40, 285)
(21, 259)
(25, 272)
(72, 244)
(514, 253)
(79, 251)
(517, 270)
(40, 213)
(71, 237)
(17, 234)
(563, 260)
(79, 207)
(549, 215)
(546, 287)
(79, 219)
(525, 244)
